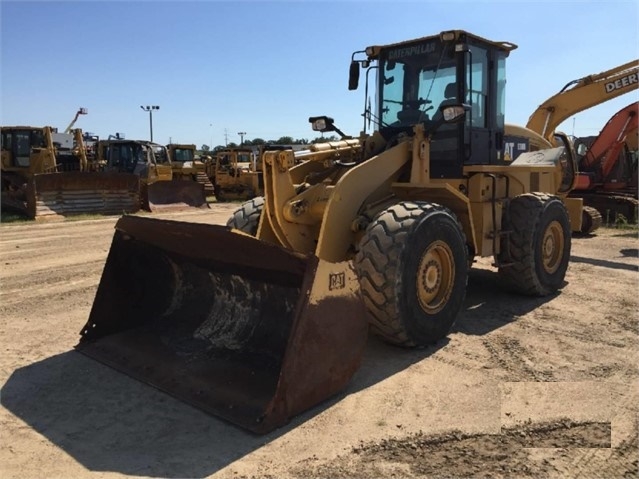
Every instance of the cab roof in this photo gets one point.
(456, 36)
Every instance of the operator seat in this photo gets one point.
(444, 146)
(450, 98)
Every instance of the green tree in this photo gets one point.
(325, 139)
(205, 148)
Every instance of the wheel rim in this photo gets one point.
(552, 247)
(435, 277)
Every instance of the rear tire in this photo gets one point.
(413, 268)
(247, 217)
(538, 245)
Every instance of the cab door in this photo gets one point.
(146, 166)
(480, 149)
(163, 167)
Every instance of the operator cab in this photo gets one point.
(19, 143)
(417, 79)
(182, 155)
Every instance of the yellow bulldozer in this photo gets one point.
(150, 162)
(187, 166)
(46, 174)
(236, 175)
(266, 317)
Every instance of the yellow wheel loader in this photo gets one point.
(150, 163)
(187, 167)
(46, 174)
(265, 318)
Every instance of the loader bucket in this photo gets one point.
(74, 192)
(174, 195)
(235, 326)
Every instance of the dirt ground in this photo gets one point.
(522, 387)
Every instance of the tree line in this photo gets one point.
(285, 140)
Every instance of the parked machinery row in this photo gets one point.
(46, 173)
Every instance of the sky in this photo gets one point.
(217, 68)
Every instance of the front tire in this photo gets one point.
(413, 269)
(536, 253)
(247, 217)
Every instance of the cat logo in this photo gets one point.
(336, 281)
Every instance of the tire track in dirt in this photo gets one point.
(58, 286)
(514, 360)
(504, 351)
(48, 289)
(618, 461)
(523, 451)
(564, 333)
(54, 273)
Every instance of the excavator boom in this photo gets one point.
(606, 148)
(579, 95)
(607, 178)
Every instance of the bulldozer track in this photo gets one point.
(204, 180)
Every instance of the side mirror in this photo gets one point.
(353, 76)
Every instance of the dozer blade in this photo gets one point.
(174, 195)
(238, 327)
(68, 193)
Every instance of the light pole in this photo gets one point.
(211, 145)
(241, 133)
(150, 110)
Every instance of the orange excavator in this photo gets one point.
(608, 170)
(579, 95)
